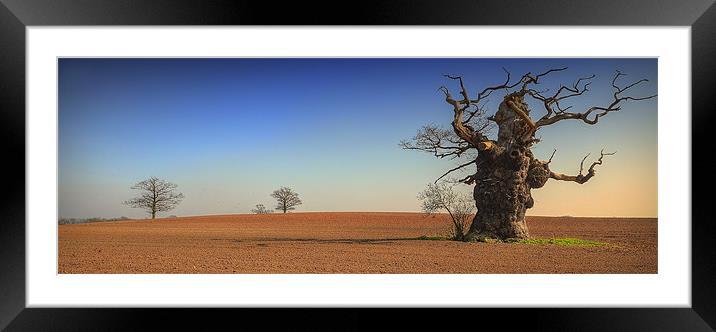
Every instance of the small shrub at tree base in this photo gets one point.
(442, 197)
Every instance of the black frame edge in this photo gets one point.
(16, 14)
(366, 12)
(12, 136)
(703, 106)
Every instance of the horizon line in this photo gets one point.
(415, 212)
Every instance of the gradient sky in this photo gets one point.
(230, 131)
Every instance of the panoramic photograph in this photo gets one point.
(357, 166)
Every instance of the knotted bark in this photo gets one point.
(506, 176)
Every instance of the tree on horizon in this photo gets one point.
(286, 199)
(260, 209)
(156, 196)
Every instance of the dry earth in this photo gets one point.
(347, 243)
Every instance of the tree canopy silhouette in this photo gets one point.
(286, 199)
(156, 195)
(260, 209)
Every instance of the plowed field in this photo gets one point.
(348, 242)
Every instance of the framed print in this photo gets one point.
(218, 156)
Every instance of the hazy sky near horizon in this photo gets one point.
(230, 131)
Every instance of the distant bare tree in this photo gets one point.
(286, 199)
(442, 197)
(260, 209)
(156, 196)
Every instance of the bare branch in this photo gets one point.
(581, 165)
(470, 179)
(463, 131)
(482, 122)
(455, 169)
(489, 90)
(582, 178)
(536, 78)
(528, 79)
(439, 142)
(476, 137)
(554, 100)
(550, 157)
(465, 98)
(560, 114)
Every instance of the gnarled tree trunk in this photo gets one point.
(506, 175)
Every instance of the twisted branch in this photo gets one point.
(581, 178)
(439, 142)
(550, 157)
(560, 114)
(455, 169)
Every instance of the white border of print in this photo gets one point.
(670, 287)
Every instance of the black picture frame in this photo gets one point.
(16, 15)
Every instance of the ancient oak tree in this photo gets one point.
(506, 170)
(286, 199)
(156, 195)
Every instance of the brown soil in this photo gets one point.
(347, 243)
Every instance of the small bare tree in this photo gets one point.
(260, 209)
(156, 196)
(286, 199)
(441, 196)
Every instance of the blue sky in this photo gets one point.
(230, 131)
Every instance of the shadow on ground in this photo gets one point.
(327, 241)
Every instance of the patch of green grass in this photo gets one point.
(565, 242)
(431, 238)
